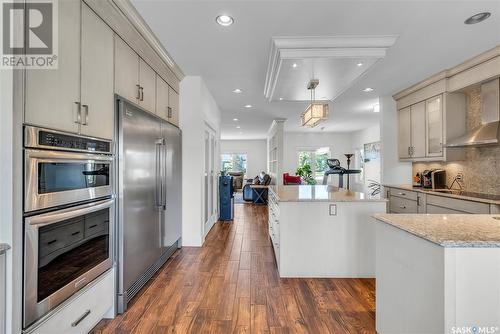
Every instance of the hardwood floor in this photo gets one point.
(231, 285)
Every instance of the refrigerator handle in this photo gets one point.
(164, 178)
(158, 145)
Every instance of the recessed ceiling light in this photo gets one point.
(224, 20)
(237, 91)
(376, 108)
(294, 65)
(248, 106)
(235, 119)
(359, 64)
(238, 127)
(281, 99)
(368, 89)
(479, 17)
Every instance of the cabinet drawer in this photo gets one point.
(432, 209)
(83, 312)
(412, 195)
(458, 204)
(402, 205)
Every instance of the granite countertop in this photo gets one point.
(4, 248)
(449, 230)
(440, 193)
(321, 193)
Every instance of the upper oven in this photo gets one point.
(62, 169)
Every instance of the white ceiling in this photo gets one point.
(432, 37)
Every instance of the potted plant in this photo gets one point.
(305, 172)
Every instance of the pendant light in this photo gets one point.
(316, 112)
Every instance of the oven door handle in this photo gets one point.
(57, 155)
(54, 217)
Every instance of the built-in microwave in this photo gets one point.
(64, 169)
(63, 251)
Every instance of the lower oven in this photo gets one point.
(64, 250)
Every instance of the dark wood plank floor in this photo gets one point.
(231, 285)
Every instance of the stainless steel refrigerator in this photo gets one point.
(149, 197)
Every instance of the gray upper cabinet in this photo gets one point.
(135, 80)
(147, 81)
(126, 71)
(167, 102)
(53, 95)
(97, 76)
(421, 128)
(78, 96)
(173, 103)
(434, 130)
(417, 149)
(404, 132)
(162, 98)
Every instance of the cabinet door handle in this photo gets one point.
(418, 200)
(402, 194)
(83, 316)
(86, 117)
(402, 207)
(78, 113)
(409, 154)
(169, 112)
(142, 93)
(138, 96)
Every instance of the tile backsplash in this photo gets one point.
(481, 167)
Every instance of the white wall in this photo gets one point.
(372, 170)
(393, 171)
(256, 151)
(197, 110)
(339, 144)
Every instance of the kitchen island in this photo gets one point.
(437, 273)
(323, 231)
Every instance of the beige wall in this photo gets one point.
(481, 168)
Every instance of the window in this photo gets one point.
(316, 160)
(234, 162)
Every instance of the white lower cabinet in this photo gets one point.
(84, 311)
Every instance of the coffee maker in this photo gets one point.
(434, 179)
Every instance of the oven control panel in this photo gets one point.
(64, 141)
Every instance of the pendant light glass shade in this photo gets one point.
(316, 112)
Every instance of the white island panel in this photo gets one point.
(314, 242)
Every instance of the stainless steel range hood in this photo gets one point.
(488, 132)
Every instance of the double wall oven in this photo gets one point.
(68, 216)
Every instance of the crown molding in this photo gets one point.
(131, 13)
(448, 73)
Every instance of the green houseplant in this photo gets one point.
(305, 172)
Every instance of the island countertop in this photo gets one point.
(320, 193)
(450, 230)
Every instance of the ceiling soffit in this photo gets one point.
(325, 58)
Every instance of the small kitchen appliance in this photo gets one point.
(434, 179)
